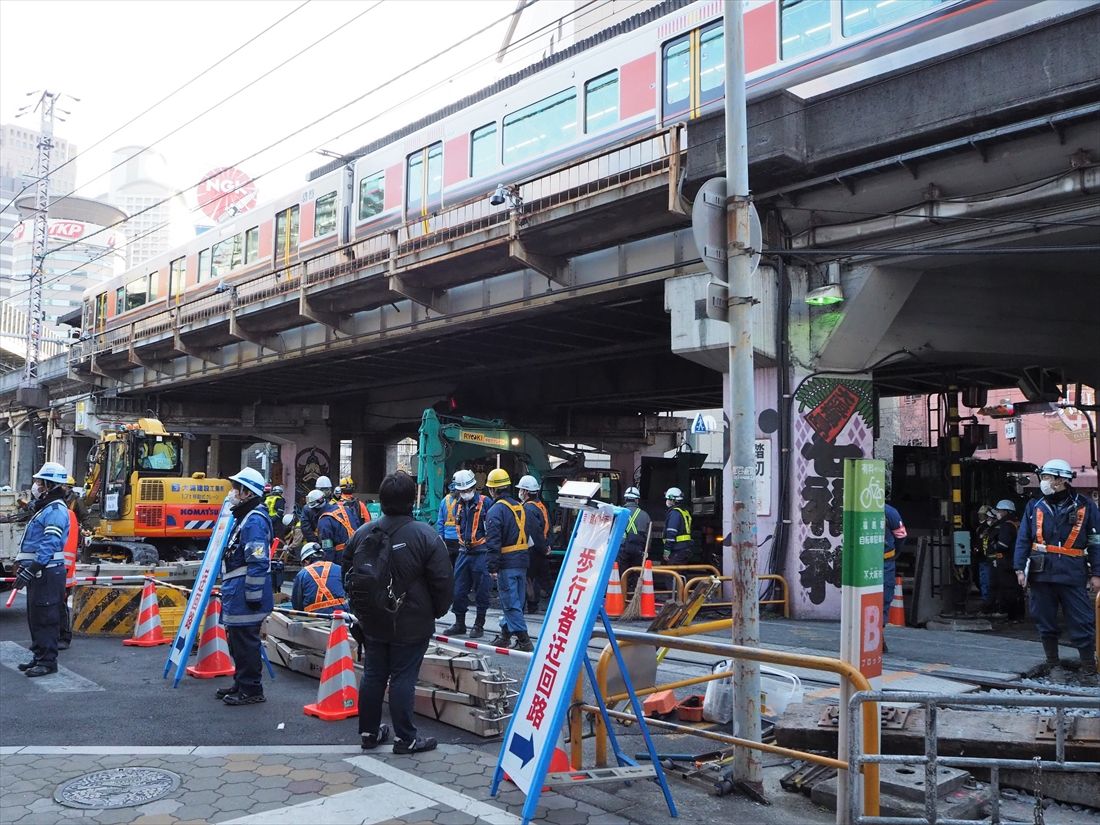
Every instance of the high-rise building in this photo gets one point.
(18, 176)
(159, 218)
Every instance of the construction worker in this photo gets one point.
(470, 571)
(508, 558)
(1057, 554)
(41, 563)
(446, 524)
(893, 535)
(1005, 593)
(679, 545)
(324, 484)
(339, 521)
(538, 535)
(80, 521)
(318, 587)
(632, 550)
(316, 503)
(247, 595)
(276, 509)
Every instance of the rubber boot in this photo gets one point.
(523, 642)
(1087, 675)
(502, 639)
(1056, 672)
(479, 626)
(458, 628)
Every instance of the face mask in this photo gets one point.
(468, 496)
(234, 498)
(1047, 487)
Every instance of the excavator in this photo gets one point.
(148, 511)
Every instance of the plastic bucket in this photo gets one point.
(778, 688)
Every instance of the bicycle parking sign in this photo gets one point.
(864, 542)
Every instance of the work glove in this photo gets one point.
(253, 607)
(23, 578)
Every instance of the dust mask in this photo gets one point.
(468, 496)
(234, 498)
(1046, 487)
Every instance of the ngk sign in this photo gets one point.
(225, 193)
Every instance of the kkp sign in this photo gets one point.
(861, 565)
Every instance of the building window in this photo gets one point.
(540, 128)
(483, 150)
(601, 102)
(204, 266)
(864, 15)
(251, 244)
(804, 25)
(371, 195)
(324, 216)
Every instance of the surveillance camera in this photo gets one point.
(500, 195)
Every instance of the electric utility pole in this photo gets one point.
(739, 473)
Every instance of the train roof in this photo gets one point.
(628, 25)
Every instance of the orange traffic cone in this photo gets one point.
(897, 607)
(338, 695)
(649, 601)
(147, 628)
(613, 602)
(214, 659)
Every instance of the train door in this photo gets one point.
(286, 235)
(424, 182)
(693, 69)
(176, 277)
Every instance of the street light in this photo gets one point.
(825, 295)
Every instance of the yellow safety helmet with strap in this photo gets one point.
(498, 478)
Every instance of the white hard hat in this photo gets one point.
(529, 484)
(465, 480)
(309, 549)
(315, 498)
(288, 519)
(250, 479)
(632, 492)
(1006, 505)
(1057, 467)
(52, 471)
(277, 489)
(674, 493)
(323, 483)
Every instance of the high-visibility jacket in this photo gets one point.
(276, 506)
(318, 589)
(506, 534)
(446, 522)
(45, 535)
(337, 524)
(72, 542)
(677, 528)
(1067, 530)
(471, 523)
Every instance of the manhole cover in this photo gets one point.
(117, 788)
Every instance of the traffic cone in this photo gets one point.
(338, 695)
(147, 628)
(897, 607)
(649, 601)
(214, 659)
(613, 602)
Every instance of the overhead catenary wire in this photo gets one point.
(232, 52)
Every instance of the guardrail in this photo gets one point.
(930, 759)
(674, 639)
(683, 586)
(785, 600)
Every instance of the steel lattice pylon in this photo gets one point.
(41, 228)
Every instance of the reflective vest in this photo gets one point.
(451, 503)
(474, 540)
(990, 550)
(632, 526)
(686, 535)
(341, 515)
(1066, 549)
(545, 518)
(72, 541)
(323, 598)
(521, 522)
(269, 502)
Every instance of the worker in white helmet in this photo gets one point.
(679, 544)
(1057, 557)
(632, 550)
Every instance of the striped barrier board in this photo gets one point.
(112, 611)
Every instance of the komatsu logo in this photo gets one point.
(198, 511)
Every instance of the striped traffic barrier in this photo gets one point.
(503, 651)
(110, 610)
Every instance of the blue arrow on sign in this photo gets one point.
(523, 748)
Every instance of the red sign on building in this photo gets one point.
(225, 193)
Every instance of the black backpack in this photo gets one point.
(368, 582)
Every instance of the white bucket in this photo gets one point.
(778, 688)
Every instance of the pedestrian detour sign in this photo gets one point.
(562, 649)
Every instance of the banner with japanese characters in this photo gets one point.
(547, 688)
(861, 565)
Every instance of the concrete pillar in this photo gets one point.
(359, 461)
(626, 462)
(374, 464)
(196, 454)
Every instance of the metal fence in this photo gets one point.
(931, 760)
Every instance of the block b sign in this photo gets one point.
(864, 543)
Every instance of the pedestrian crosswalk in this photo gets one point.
(13, 654)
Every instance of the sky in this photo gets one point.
(119, 57)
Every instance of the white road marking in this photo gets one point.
(482, 811)
(64, 681)
(362, 806)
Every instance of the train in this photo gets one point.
(658, 68)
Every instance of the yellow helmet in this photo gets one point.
(498, 478)
(71, 481)
(347, 485)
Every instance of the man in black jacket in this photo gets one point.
(394, 645)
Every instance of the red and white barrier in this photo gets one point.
(503, 651)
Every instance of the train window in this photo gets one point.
(424, 181)
(204, 266)
(177, 272)
(324, 216)
(226, 257)
(251, 244)
(483, 143)
(864, 15)
(286, 233)
(136, 294)
(677, 69)
(601, 102)
(101, 310)
(153, 286)
(120, 300)
(372, 192)
(804, 25)
(712, 64)
(541, 127)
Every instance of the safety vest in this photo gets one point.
(364, 513)
(450, 519)
(341, 515)
(269, 502)
(990, 552)
(323, 598)
(474, 540)
(72, 541)
(545, 518)
(1066, 549)
(686, 535)
(632, 525)
(521, 522)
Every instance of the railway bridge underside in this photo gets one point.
(961, 226)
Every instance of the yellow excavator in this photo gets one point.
(148, 512)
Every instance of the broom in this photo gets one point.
(633, 609)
